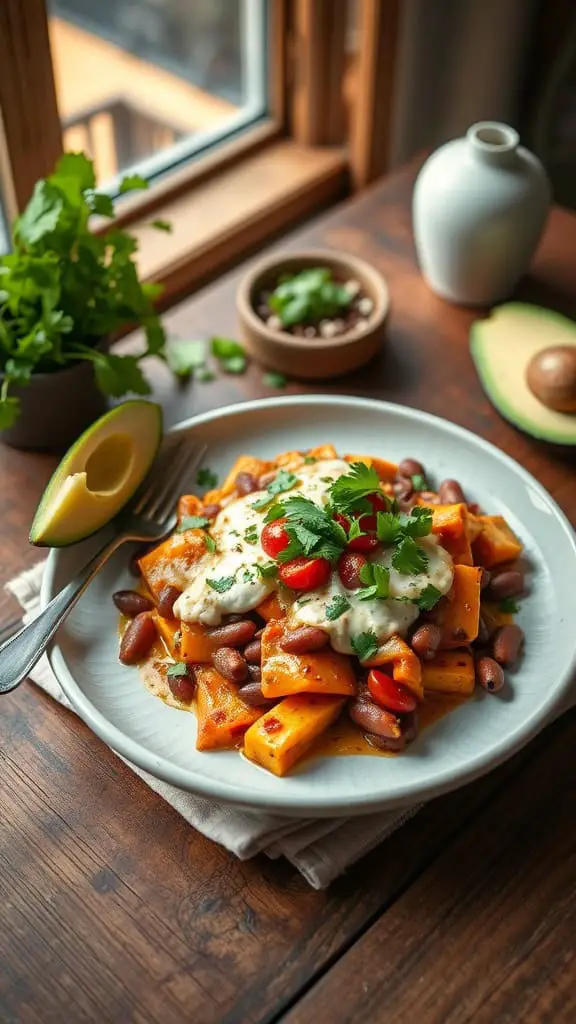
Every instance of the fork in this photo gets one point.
(149, 516)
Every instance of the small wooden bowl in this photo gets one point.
(312, 358)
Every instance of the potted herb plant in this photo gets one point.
(313, 314)
(64, 292)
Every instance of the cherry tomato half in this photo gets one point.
(274, 538)
(349, 566)
(389, 694)
(305, 573)
(365, 543)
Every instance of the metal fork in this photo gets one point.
(149, 516)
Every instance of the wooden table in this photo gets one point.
(113, 909)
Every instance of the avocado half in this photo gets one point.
(98, 474)
(502, 345)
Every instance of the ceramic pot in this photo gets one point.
(479, 207)
(55, 408)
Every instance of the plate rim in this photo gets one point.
(281, 801)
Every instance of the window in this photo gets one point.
(145, 85)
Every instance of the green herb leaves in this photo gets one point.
(365, 645)
(251, 534)
(193, 523)
(337, 606)
(311, 529)
(428, 598)
(222, 584)
(349, 492)
(230, 354)
(186, 357)
(409, 558)
(508, 604)
(419, 482)
(283, 481)
(180, 668)
(206, 477)
(308, 297)
(376, 579)
(275, 380)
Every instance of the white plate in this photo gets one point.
(113, 702)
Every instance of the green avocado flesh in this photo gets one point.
(98, 474)
(502, 346)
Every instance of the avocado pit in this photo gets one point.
(551, 377)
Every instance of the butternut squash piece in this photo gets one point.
(196, 645)
(461, 613)
(449, 672)
(496, 543)
(323, 451)
(284, 673)
(223, 717)
(473, 526)
(386, 470)
(270, 608)
(288, 460)
(406, 667)
(189, 505)
(170, 561)
(449, 523)
(170, 632)
(494, 617)
(420, 500)
(283, 735)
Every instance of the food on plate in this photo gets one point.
(526, 358)
(312, 593)
(98, 474)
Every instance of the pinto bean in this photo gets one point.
(451, 493)
(211, 510)
(131, 603)
(166, 598)
(396, 745)
(138, 638)
(509, 583)
(410, 468)
(374, 719)
(251, 693)
(489, 674)
(235, 634)
(255, 673)
(182, 686)
(506, 644)
(253, 652)
(230, 664)
(426, 640)
(303, 640)
(246, 483)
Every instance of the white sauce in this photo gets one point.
(236, 558)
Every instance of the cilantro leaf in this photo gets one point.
(419, 482)
(508, 604)
(162, 225)
(210, 543)
(9, 411)
(338, 605)
(409, 558)
(222, 584)
(349, 491)
(235, 364)
(206, 477)
(204, 375)
(275, 380)
(388, 527)
(309, 460)
(118, 375)
(283, 481)
(179, 669)
(251, 534)
(267, 570)
(365, 645)
(419, 522)
(132, 183)
(377, 580)
(355, 530)
(193, 523)
(183, 357)
(275, 512)
(226, 348)
(428, 598)
(311, 530)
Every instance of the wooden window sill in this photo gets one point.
(221, 219)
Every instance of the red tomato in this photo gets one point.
(342, 521)
(378, 502)
(274, 538)
(305, 573)
(349, 566)
(367, 523)
(390, 694)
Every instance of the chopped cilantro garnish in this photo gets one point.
(508, 604)
(338, 605)
(179, 669)
(204, 375)
(309, 459)
(409, 558)
(210, 543)
(355, 530)
(275, 380)
(365, 645)
(388, 527)
(267, 570)
(349, 492)
(377, 582)
(193, 523)
(419, 482)
(283, 481)
(251, 534)
(206, 477)
(311, 529)
(235, 364)
(222, 584)
(428, 598)
(418, 523)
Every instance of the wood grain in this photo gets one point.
(319, 31)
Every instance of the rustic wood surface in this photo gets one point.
(113, 909)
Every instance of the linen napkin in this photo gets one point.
(320, 849)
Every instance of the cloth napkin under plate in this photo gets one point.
(320, 849)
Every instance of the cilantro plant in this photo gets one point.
(309, 296)
(63, 289)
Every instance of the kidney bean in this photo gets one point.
(253, 652)
(233, 617)
(259, 632)
(509, 583)
(182, 686)
(506, 644)
(230, 664)
(451, 493)
(410, 726)
(489, 674)
(485, 579)
(374, 719)
(410, 467)
(303, 640)
(426, 640)
(251, 693)
(130, 602)
(349, 567)
(166, 598)
(395, 745)
(211, 510)
(403, 488)
(234, 634)
(246, 483)
(138, 638)
(483, 633)
(255, 673)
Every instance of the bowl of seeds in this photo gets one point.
(313, 314)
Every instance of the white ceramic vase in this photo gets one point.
(479, 207)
